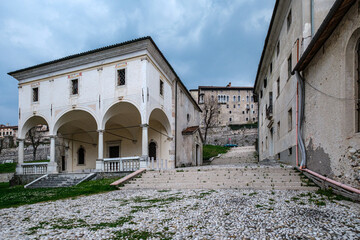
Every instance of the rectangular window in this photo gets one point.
(161, 88)
(289, 66)
(289, 20)
(265, 82)
(278, 48)
(278, 129)
(270, 68)
(239, 98)
(278, 87)
(290, 119)
(35, 94)
(74, 86)
(121, 77)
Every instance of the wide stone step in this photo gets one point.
(59, 180)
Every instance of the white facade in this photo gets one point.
(95, 111)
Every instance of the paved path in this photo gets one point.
(185, 214)
(237, 155)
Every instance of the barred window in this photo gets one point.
(161, 88)
(121, 77)
(74, 86)
(35, 94)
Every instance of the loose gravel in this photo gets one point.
(185, 214)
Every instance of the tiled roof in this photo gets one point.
(190, 130)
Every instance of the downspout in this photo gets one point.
(176, 83)
(258, 129)
(300, 119)
(297, 107)
(312, 18)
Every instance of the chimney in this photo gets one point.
(229, 85)
(7, 124)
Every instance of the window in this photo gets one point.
(74, 86)
(188, 117)
(278, 48)
(278, 87)
(290, 119)
(239, 98)
(265, 82)
(271, 68)
(230, 119)
(81, 156)
(227, 98)
(35, 94)
(243, 112)
(234, 105)
(161, 88)
(261, 94)
(247, 119)
(290, 151)
(289, 20)
(234, 99)
(227, 106)
(201, 98)
(252, 98)
(252, 106)
(238, 105)
(289, 66)
(278, 129)
(254, 119)
(247, 98)
(230, 112)
(121, 77)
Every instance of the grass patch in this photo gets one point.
(37, 161)
(252, 194)
(7, 167)
(331, 195)
(210, 151)
(137, 234)
(18, 195)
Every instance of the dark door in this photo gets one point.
(114, 151)
(63, 165)
(197, 155)
(152, 150)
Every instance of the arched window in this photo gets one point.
(81, 156)
(358, 87)
(152, 150)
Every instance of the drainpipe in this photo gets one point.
(300, 118)
(176, 83)
(297, 107)
(300, 141)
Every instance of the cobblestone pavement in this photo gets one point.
(185, 214)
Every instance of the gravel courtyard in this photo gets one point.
(185, 214)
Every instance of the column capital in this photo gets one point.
(144, 125)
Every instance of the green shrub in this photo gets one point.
(7, 167)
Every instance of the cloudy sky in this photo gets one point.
(208, 42)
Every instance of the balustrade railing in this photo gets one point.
(121, 164)
(34, 168)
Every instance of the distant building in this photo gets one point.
(7, 130)
(236, 104)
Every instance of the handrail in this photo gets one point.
(122, 158)
(35, 163)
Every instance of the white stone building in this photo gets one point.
(121, 102)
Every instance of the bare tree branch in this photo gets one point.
(35, 136)
(210, 114)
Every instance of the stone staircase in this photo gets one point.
(262, 177)
(60, 180)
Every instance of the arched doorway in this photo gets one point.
(152, 150)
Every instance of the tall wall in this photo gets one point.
(331, 139)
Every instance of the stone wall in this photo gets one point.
(6, 177)
(224, 135)
(42, 153)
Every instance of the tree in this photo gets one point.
(210, 114)
(35, 136)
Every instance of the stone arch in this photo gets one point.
(30, 123)
(64, 117)
(159, 115)
(121, 108)
(351, 75)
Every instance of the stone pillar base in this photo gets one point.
(19, 169)
(52, 167)
(143, 162)
(99, 165)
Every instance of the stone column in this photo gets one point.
(100, 159)
(19, 169)
(52, 166)
(145, 147)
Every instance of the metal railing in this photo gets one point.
(269, 112)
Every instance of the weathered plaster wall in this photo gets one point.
(331, 140)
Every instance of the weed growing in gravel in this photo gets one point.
(331, 195)
(33, 230)
(258, 206)
(164, 190)
(118, 223)
(137, 234)
(179, 170)
(252, 194)
(141, 208)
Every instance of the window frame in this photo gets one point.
(289, 20)
(117, 76)
(161, 86)
(72, 87)
(37, 94)
(290, 119)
